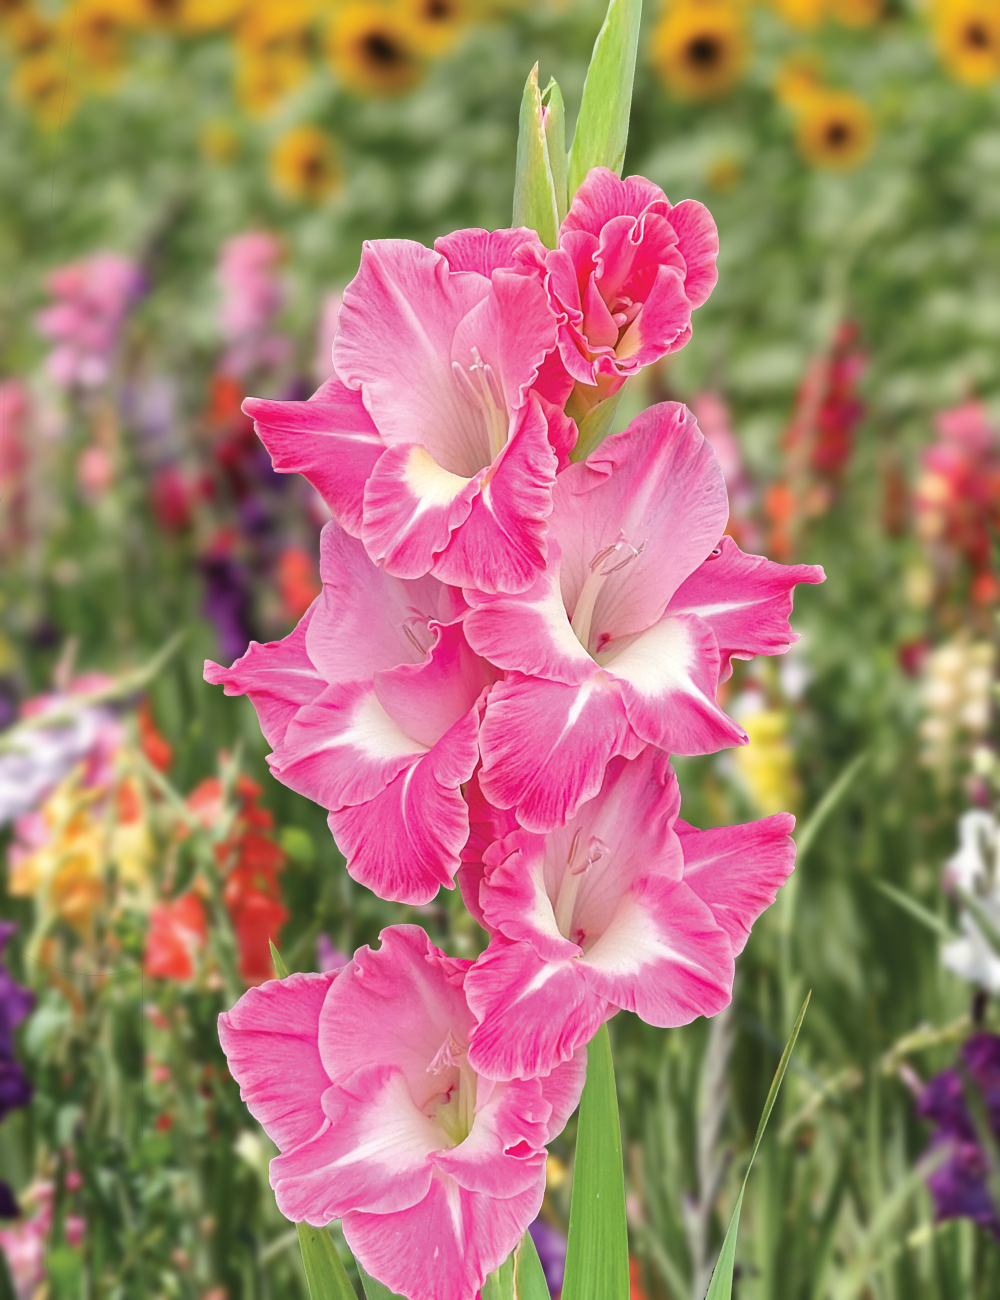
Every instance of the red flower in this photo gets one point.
(177, 933)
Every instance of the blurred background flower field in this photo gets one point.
(184, 187)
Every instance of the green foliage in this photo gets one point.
(597, 1255)
(602, 126)
(325, 1274)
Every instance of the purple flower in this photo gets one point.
(15, 1003)
(228, 603)
(551, 1246)
(329, 957)
(960, 1186)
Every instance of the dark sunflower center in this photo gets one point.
(705, 51)
(312, 167)
(977, 36)
(438, 11)
(382, 50)
(838, 134)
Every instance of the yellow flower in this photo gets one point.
(261, 80)
(856, 13)
(700, 48)
(28, 33)
(767, 763)
(211, 15)
(835, 129)
(65, 875)
(806, 15)
(41, 83)
(274, 44)
(371, 49)
(304, 163)
(219, 142)
(95, 31)
(434, 25)
(799, 78)
(156, 13)
(967, 33)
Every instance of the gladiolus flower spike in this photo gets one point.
(507, 647)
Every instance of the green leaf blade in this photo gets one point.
(373, 1288)
(602, 127)
(326, 1276)
(597, 1252)
(721, 1287)
(529, 1276)
(554, 123)
(534, 191)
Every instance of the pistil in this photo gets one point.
(611, 560)
(480, 387)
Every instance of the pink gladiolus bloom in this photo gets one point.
(438, 444)
(362, 1078)
(372, 709)
(625, 906)
(92, 298)
(627, 274)
(623, 640)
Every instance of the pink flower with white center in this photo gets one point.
(625, 906)
(628, 271)
(623, 640)
(362, 1078)
(438, 443)
(372, 707)
(92, 298)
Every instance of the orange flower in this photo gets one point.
(297, 582)
(156, 748)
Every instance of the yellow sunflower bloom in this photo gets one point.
(211, 15)
(156, 13)
(304, 164)
(435, 25)
(856, 13)
(277, 30)
(262, 80)
(372, 50)
(10, 7)
(28, 33)
(799, 78)
(97, 30)
(806, 15)
(700, 48)
(835, 130)
(967, 34)
(41, 84)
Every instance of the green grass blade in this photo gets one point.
(597, 1254)
(602, 127)
(809, 829)
(916, 910)
(534, 192)
(279, 966)
(721, 1287)
(325, 1274)
(373, 1289)
(529, 1276)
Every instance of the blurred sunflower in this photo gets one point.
(435, 25)
(274, 45)
(304, 164)
(10, 7)
(156, 13)
(798, 78)
(700, 48)
(806, 15)
(835, 129)
(212, 15)
(97, 29)
(372, 49)
(856, 13)
(28, 33)
(967, 34)
(42, 85)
